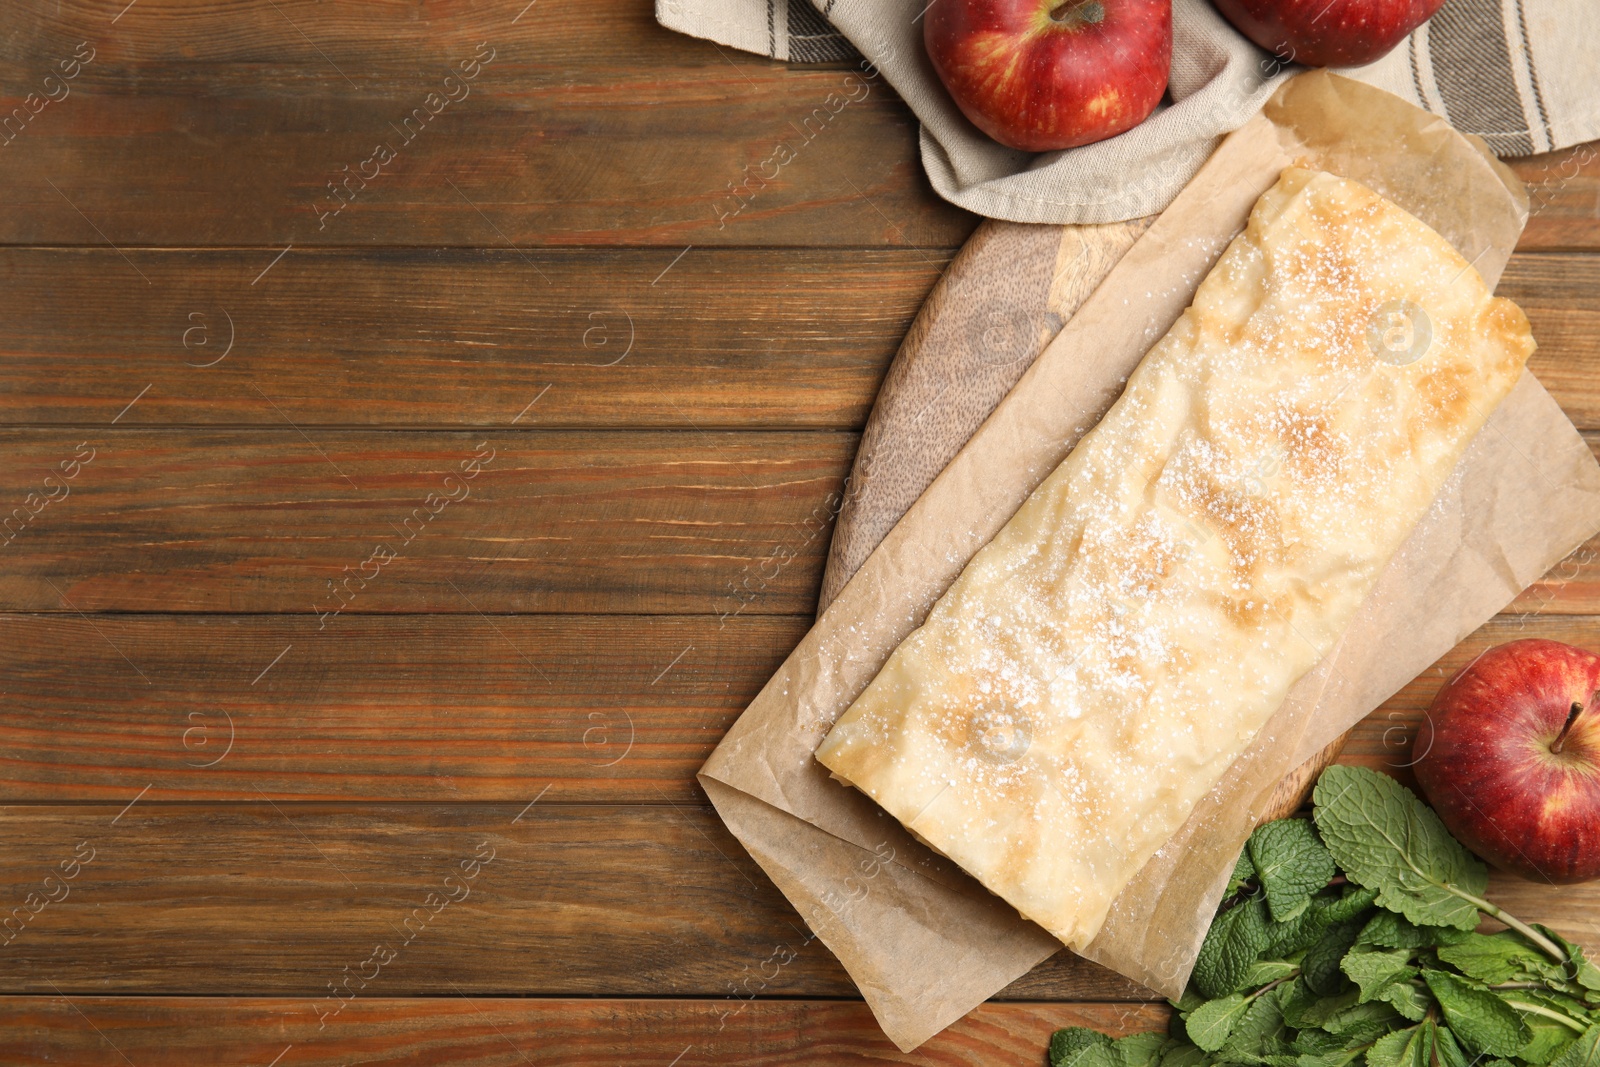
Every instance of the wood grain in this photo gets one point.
(443, 338)
(293, 47)
(1564, 198)
(613, 708)
(456, 337)
(299, 521)
(511, 1032)
(277, 899)
(578, 899)
(1561, 294)
(592, 152)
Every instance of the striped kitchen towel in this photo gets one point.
(1522, 74)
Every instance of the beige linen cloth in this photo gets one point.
(1522, 74)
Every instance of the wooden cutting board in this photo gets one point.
(1003, 298)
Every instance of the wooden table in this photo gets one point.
(393, 533)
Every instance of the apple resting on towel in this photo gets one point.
(1040, 75)
(1328, 33)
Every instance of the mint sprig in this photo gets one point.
(1385, 838)
(1348, 941)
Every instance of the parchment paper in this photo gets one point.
(923, 941)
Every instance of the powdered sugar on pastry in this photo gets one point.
(1099, 665)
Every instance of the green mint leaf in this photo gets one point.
(1317, 1041)
(1321, 963)
(1355, 900)
(1265, 972)
(1139, 1050)
(1481, 1021)
(1292, 864)
(1259, 1033)
(1549, 1040)
(1097, 1056)
(1555, 1001)
(1066, 1044)
(1233, 943)
(1373, 968)
(1305, 1010)
(1306, 929)
(1360, 1023)
(1210, 1024)
(1296, 1002)
(1183, 1054)
(1584, 1052)
(1244, 872)
(1329, 1059)
(1411, 1047)
(1390, 930)
(1553, 1019)
(1581, 971)
(1492, 958)
(1386, 839)
(1408, 998)
(1297, 934)
(1450, 1053)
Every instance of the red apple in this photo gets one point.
(1327, 33)
(1510, 758)
(1046, 74)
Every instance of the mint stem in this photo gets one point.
(1275, 983)
(1545, 945)
(1548, 1013)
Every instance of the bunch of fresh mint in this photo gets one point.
(1353, 940)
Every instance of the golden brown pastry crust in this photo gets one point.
(1098, 666)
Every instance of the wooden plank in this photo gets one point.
(414, 708)
(1561, 295)
(324, 522)
(575, 899)
(511, 1032)
(740, 152)
(1564, 198)
(452, 337)
(284, 48)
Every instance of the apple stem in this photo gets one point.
(1087, 12)
(1561, 738)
